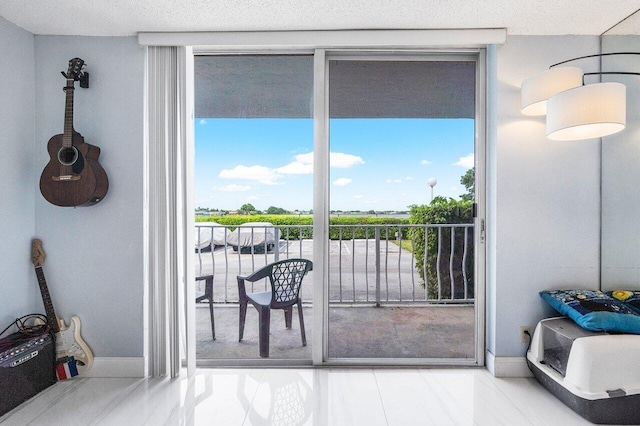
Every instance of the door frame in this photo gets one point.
(325, 45)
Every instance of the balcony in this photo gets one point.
(382, 302)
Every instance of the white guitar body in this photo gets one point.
(69, 342)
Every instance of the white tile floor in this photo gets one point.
(320, 396)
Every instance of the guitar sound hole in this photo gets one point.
(67, 155)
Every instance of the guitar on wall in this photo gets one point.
(73, 355)
(73, 176)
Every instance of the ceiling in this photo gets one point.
(128, 17)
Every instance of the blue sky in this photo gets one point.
(376, 164)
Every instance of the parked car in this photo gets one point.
(209, 235)
(253, 237)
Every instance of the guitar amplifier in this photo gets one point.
(27, 367)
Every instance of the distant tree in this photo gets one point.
(247, 208)
(276, 210)
(469, 182)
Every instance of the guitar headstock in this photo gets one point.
(76, 73)
(75, 69)
(37, 252)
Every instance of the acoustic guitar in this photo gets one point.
(73, 355)
(73, 176)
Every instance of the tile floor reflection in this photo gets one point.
(313, 396)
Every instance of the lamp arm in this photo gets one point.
(608, 72)
(595, 56)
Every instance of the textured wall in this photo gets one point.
(19, 294)
(95, 261)
(546, 196)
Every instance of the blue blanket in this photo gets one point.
(594, 310)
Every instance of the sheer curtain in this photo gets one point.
(169, 210)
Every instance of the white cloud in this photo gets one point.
(408, 178)
(232, 188)
(425, 162)
(340, 160)
(303, 164)
(262, 174)
(358, 196)
(342, 182)
(203, 121)
(466, 161)
(296, 168)
(304, 158)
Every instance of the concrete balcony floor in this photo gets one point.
(400, 331)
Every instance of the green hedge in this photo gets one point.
(305, 233)
(276, 219)
(444, 211)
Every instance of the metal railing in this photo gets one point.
(368, 264)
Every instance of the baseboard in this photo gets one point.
(116, 367)
(507, 366)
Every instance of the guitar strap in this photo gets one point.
(66, 368)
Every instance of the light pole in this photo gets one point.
(432, 182)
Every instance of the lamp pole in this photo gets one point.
(432, 182)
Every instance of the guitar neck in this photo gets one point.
(46, 300)
(67, 137)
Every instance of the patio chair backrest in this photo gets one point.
(286, 279)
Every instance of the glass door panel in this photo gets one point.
(401, 249)
(254, 195)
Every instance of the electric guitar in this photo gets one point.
(73, 355)
(73, 176)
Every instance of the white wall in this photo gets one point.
(19, 294)
(94, 263)
(621, 175)
(546, 197)
(546, 194)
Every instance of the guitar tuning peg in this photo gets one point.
(63, 74)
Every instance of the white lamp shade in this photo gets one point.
(586, 112)
(537, 89)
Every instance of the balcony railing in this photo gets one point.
(368, 264)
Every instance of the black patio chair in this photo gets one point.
(208, 295)
(285, 277)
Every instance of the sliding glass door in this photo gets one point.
(372, 166)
